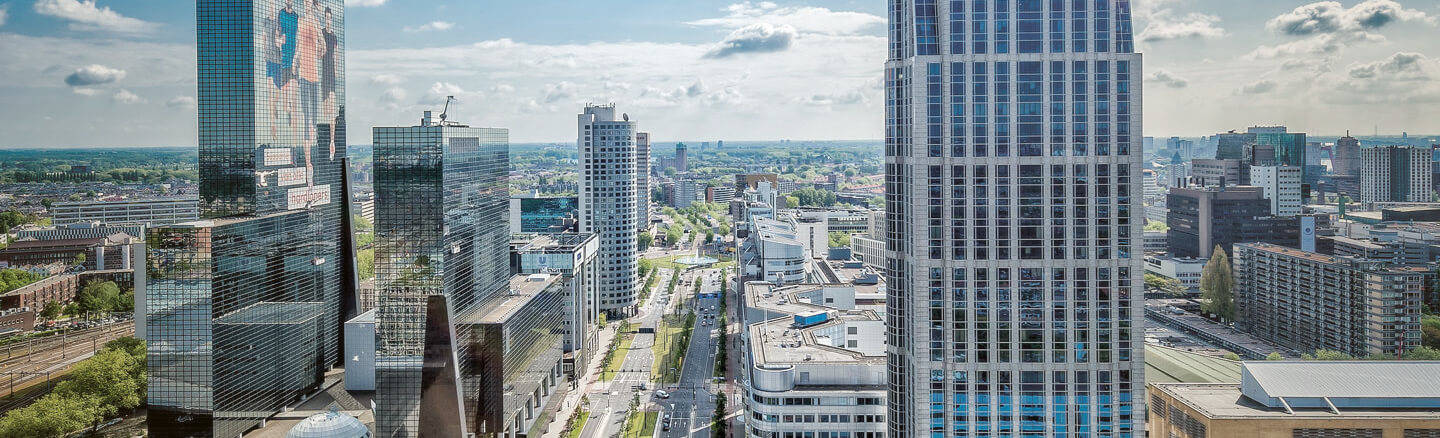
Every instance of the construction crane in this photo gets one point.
(446, 112)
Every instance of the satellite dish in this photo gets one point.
(626, 116)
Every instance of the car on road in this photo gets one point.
(662, 394)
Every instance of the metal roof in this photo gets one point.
(1346, 379)
(1170, 365)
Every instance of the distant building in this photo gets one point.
(1231, 145)
(643, 174)
(1346, 166)
(817, 362)
(1201, 218)
(684, 192)
(1291, 399)
(869, 250)
(1281, 186)
(1395, 174)
(1309, 301)
(99, 253)
(1215, 173)
(719, 194)
(749, 181)
(147, 212)
(775, 252)
(365, 205)
(80, 230)
(544, 215)
(1155, 242)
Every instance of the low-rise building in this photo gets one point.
(572, 257)
(1283, 399)
(98, 253)
(62, 289)
(1309, 301)
(1185, 270)
(147, 212)
(870, 251)
(1154, 242)
(815, 365)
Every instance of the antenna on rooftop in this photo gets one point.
(445, 113)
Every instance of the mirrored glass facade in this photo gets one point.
(245, 306)
(1013, 170)
(442, 208)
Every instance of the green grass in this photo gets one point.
(671, 331)
(579, 424)
(619, 360)
(642, 424)
(668, 262)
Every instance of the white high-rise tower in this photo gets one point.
(1013, 220)
(608, 202)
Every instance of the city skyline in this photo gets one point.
(708, 69)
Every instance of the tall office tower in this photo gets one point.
(608, 201)
(1013, 159)
(244, 307)
(1345, 167)
(442, 255)
(1395, 174)
(1281, 186)
(642, 180)
(682, 162)
(1231, 145)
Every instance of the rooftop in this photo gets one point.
(780, 342)
(1170, 365)
(1225, 401)
(1347, 379)
(522, 289)
(549, 241)
(1292, 252)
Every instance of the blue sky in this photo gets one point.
(121, 73)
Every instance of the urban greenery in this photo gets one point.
(1216, 282)
(839, 239)
(645, 239)
(11, 279)
(1421, 353)
(1171, 287)
(718, 425)
(110, 383)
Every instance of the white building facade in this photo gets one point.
(1013, 189)
(609, 202)
(1281, 185)
(642, 179)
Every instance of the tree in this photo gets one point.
(53, 415)
(1171, 287)
(1274, 356)
(792, 202)
(109, 377)
(79, 259)
(839, 239)
(673, 235)
(126, 302)
(1323, 354)
(1232, 356)
(361, 223)
(51, 310)
(709, 236)
(1216, 282)
(366, 259)
(1423, 353)
(47, 202)
(98, 297)
(1156, 226)
(644, 239)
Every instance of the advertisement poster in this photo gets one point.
(306, 197)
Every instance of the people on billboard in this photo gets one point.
(328, 75)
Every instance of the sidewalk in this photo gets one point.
(591, 377)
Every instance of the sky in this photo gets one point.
(99, 73)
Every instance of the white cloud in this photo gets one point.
(755, 38)
(807, 19)
(386, 79)
(94, 74)
(364, 3)
(85, 91)
(181, 102)
(85, 15)
(1327, 27)
(1163, 22)
(1404, 66)
(1331, 16)
(431, 26)
(4, 13)
(1164, 77)
(126, 97)
(1259, 87)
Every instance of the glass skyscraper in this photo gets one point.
(442, 256)
(1013, 170)
(244, 306)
